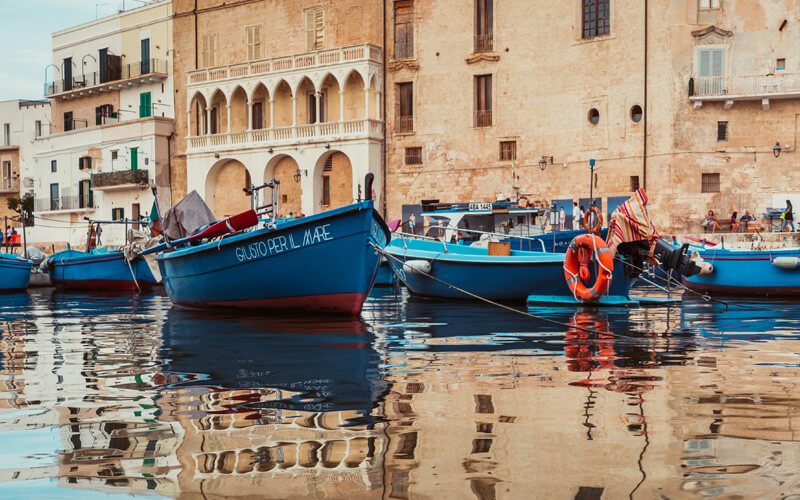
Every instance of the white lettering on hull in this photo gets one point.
(281, 244)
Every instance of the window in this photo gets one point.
(311, 99)
(103, 114)
(38, 128)
(414, 156)
(117, 213)
(315, 28)
(722, 131)
(53, 166)
(710, 62)
(481, 445)
(508, 150)
(145, 105)
(66, 70)
(6, 134)
(596, 18)
(68, 123)
(135, 213)
(254, 42)
(85, 198)
(634, 183)
(55, 201)
(709, 4)
(114, 154)
(780, 64)
(7, 178)
(594, 116)
(258, 115)
(636, 113)
(710, 183)
(483, 101)
(404, 29)
(209, 50)
(134, 158)
(483, 404)
(407, 443)
(484, 38)
(85, 162)
(144, 55)
(405, 118)
(326, 190)
(213, 128)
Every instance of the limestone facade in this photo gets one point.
(722, 90)
(275, 89)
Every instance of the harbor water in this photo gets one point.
(124, 394)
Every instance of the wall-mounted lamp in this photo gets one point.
(327, 146)
(299, 173)
(544, 161)
(776, 149)
(269, 150)
(216, 155)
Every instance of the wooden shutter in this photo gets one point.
(404, 29)
(213, 51)
(315, 28)
(205, 51)
(253, 43)
(311, 35)
(710, 62)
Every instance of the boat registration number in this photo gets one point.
(480, 206)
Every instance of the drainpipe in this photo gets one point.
(169, 164)
(644, 155)
(196, 59)
(384, 159)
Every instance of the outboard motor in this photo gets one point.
(670, 257)
(368, 180)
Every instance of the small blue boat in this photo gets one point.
(15, 272)
(506, 278)
(323, 263)
(748, 272)
(98, 269)
(385, 275)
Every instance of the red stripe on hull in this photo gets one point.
(103, 284)
(336, 303)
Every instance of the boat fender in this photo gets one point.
(706, 268)
(417, 267)
(787, 262)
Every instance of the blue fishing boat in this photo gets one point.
(748, 272)
(98, 269)
(15, 272)
(324, 263)
(511, 277)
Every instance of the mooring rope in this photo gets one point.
(503, 306)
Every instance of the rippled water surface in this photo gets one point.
(117, 394)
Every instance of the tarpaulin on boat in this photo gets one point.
(187, 217)
(631, 222)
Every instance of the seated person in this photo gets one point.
(711, 221)
(734, 222)
(746, 219)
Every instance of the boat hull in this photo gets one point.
(321, 263)
(385, 275)
(79, 270)
(511, 278)
(15, 273)
(557, 242)
(741, 272)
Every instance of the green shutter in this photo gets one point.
(145, 104)
(134, 158)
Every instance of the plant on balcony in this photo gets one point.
(119, 178)
(23, 207)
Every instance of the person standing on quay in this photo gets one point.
(412, 221)
(788, 218)
(575, 215)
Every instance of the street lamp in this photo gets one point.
(544, 161)
(299, 173)
(776, 149)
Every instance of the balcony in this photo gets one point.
(729, 89)
(64, 204)
(404, 124)
(75, 124)
(9, 185)
(484, 43)
(120, 180)
(483, 118)
(137, 73)
(319, 59)
(279, 136)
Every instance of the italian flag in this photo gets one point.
(155, 220)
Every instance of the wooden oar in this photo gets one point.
(238, 222)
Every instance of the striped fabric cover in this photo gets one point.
(631, 222)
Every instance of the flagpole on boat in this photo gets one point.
(158, 209)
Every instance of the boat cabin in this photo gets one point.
(468, 222)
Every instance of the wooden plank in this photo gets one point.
(499, 249)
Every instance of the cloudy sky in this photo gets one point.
(26, 43)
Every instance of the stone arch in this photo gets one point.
(282, 96)
(306, 104)
(224, 188)
(238, 102)
(283, 167)
(354, 96)
(260, 98)
(219, 112)
(330, 105)
(197, 115)
(337, 190)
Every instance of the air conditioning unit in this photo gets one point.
(27, 182)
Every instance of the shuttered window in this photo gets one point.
(404, 29)
(483, 101)
(209, 50)
(710, 62)
(405, 118)
(254, 43)
(315, 28)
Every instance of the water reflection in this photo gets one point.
(124, 394)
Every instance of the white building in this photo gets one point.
(112, 120)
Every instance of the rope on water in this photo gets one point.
(503, 306)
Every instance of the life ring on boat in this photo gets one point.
(582, 250)
(522, 202)
(587, 217)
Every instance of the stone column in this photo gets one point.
(341, 105)
(366, 103)
(378, 94)
(317, 97)
(271, 112)
(189, 121)
(207, 124)
(249, 115)
(294, 111)
(229, 117)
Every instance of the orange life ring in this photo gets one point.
(582, 250)
(587, 215)
(521, 203)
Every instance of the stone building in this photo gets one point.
(275, 89)
(112, 118)
(696, 100)
(23, 121)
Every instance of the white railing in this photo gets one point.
(365, 52)
(749, 85)
(329, 131)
